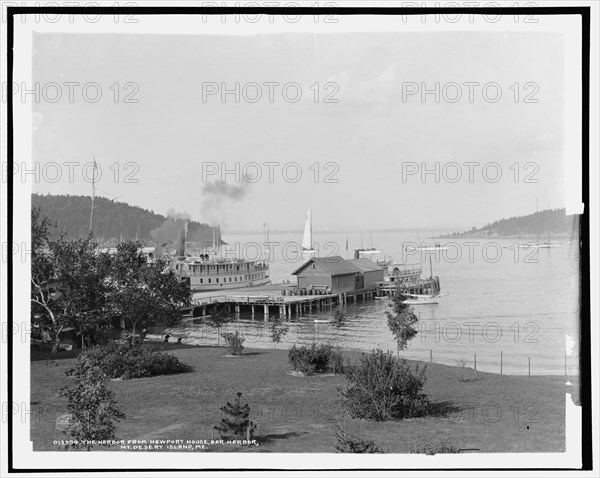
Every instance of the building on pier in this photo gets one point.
(370, 273)
(332, 274)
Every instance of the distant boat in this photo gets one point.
(537, 245)
(307, 240)
(426, 296)
(374, 255)
(425, 247)
(422, 301)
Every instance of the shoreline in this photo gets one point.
(558, 237)
(38, 355)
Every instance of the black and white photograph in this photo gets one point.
(337, 238)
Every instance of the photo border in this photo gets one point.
(584, 219)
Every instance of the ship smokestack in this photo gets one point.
(181, 242)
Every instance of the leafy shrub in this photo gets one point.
(234, 342)
(92, 408)
(347, 443)
(235, 422)
(315, 359)
(381, 387)
(118, 360)
(433, 447)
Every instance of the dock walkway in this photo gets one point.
(272, 299)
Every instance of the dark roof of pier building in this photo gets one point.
(335, 265)
(365, 265)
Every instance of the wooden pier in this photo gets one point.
(279, 303)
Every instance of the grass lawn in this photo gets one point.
(489, 412)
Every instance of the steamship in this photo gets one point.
(209, 271)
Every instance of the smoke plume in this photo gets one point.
(170, 229)
(216, 194)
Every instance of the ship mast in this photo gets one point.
(537, 210)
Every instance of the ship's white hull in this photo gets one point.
(229, 285)
(426, 296)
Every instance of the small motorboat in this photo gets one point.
(427, 296)
(423, 300)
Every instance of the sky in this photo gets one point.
(354, 155)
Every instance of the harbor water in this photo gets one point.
(509, 308)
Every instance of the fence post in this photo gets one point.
(475, 362)
(430, 356)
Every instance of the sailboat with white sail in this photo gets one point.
(267, 244)
(308, 250)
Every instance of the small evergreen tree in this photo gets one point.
(402, 321)
(235, 423)
(278, 330)
(338, 321)
(339, 318)
(218, 319)
(347, 443)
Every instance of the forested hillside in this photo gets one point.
(114, 220)
(551, 222)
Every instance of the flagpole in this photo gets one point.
(93, 194)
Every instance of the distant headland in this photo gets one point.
(550, 223)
